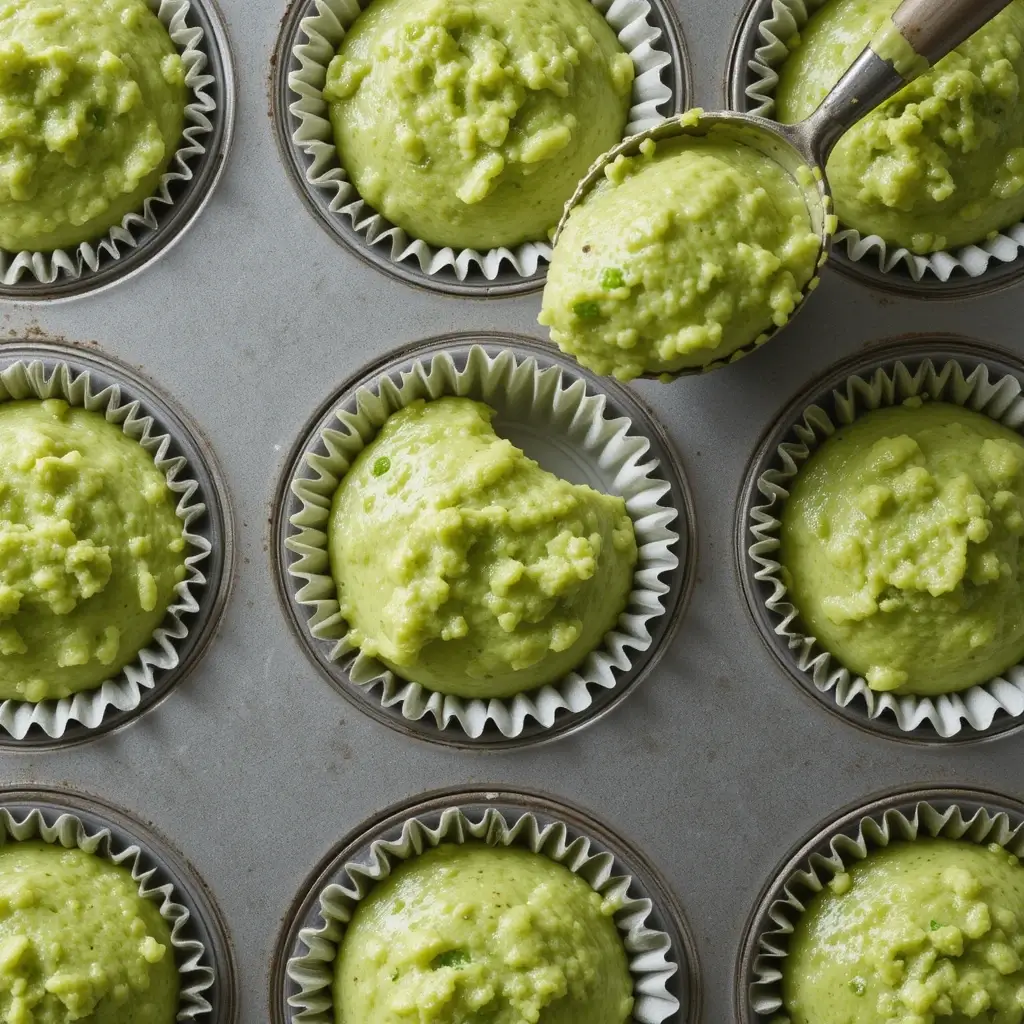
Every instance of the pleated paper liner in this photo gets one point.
(553, 402)
(973, 382)
(970, 815)
(191, 175)
(661, 959)
(646, 30)
(89, 384)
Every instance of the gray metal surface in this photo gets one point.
(255, 767)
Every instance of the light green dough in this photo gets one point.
(78, 942)
(473, 934)
(92, 104)
(464, 566)
(941, 164)
(922, 932)
(469, 124)
(901, 547)
(678, 258)
(91, 549)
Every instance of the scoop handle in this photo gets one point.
(933, 29)
(920, 33)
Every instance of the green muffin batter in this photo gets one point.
(91, 549)
(678, 258)
(92, 104)
(901, 547)
(922, 932)
(941, 164)
(464, 566)
(475, 933)
(78, 942)
(469, 124)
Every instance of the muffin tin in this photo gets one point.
(712, 767)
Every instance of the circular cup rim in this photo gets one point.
(129, 828)
(911, 348)
(526, 799)
(219, 568)
(476, 286)
(208, 171)
(891, 798)
(569, 723)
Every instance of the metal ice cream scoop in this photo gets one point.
(919, 34)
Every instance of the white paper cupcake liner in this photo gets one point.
(319, 36)
(123, 692)
(538, 397)
(917, 819)
(70, 832)
(1000, 399)
(785, 19)
(47, 267)
(649, 951)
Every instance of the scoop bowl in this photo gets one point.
(919, 34)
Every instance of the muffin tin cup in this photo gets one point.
(37, 371)
(760, 48)
(313, 29)
(553, 410)
(183, 190)
(661, 957)
(941, 369)
(201, 949)
(968, 814)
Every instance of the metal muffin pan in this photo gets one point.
(665, 916)
(713, 767)
(676, 76)
(214, 525)
(556, 455)
(189, 198)
(999, 275)
(762, 940)
(821, 392)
